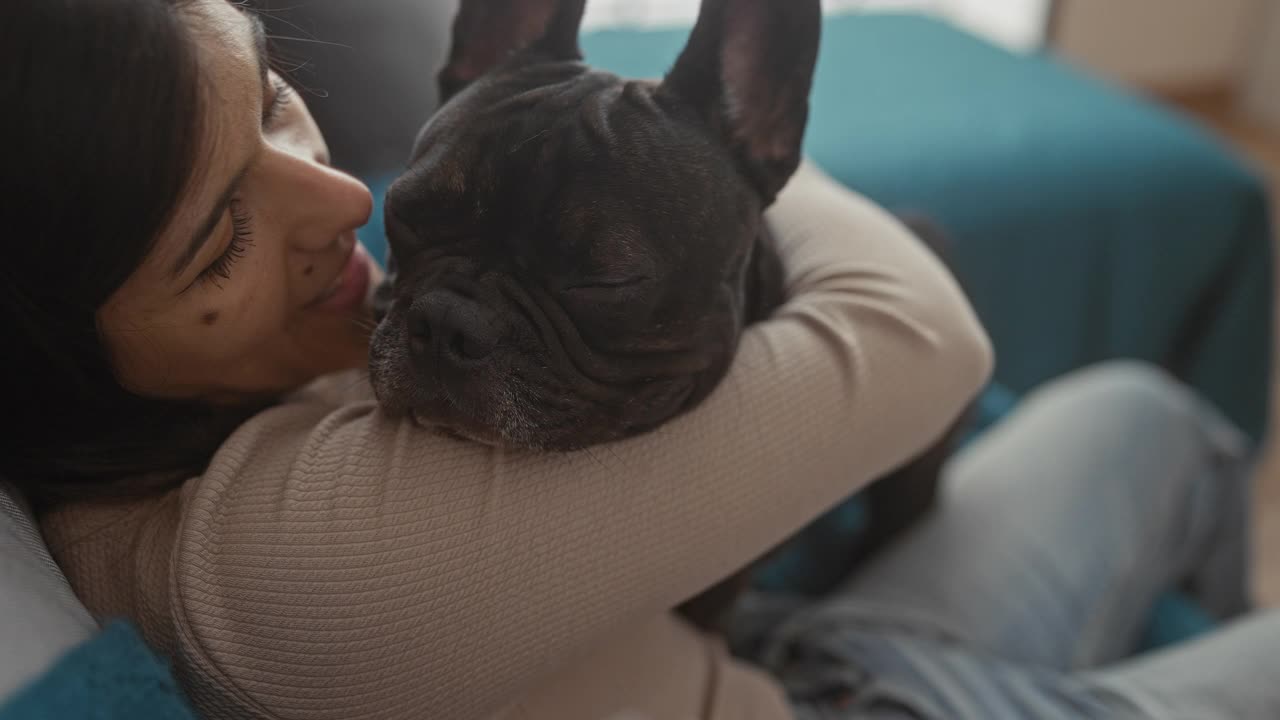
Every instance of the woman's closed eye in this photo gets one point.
(241, 240)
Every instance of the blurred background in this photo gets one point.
(1107, 169)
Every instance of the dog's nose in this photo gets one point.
(444, 325)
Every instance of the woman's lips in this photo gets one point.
(350, 288)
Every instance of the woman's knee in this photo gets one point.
(1129, 393)
(1128, 382)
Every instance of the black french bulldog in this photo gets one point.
(576, 254)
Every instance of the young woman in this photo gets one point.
(183, 291)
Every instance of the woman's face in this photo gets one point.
(258, 284)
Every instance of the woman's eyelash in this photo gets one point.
(281, 99)
(241, 239)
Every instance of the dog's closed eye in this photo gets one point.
(608, 283)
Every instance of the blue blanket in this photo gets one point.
(112, 677)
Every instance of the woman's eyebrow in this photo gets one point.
(259, 31)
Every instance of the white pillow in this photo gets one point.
(40, 618)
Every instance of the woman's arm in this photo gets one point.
(337, 564)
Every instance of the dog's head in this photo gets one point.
(573, 251)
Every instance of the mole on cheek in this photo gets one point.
(209, 318)
(308, 270)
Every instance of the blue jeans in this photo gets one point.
(1026, 592)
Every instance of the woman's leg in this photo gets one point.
(845, 671)
(1231, 673)
(1053, 539)
(1057, 531)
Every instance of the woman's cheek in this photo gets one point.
(253, 305)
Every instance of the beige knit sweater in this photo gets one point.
(335, 564)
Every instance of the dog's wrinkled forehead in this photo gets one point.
(503, 118)
(566, 114)
(560, 140)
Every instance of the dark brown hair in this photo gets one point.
(101, 131)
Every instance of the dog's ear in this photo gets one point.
(748, 68)
(487, 32)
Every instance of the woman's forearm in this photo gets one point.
(404, 571)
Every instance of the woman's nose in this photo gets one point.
(322, 203)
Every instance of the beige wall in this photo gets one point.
(1262, 84)
(1171, 44)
